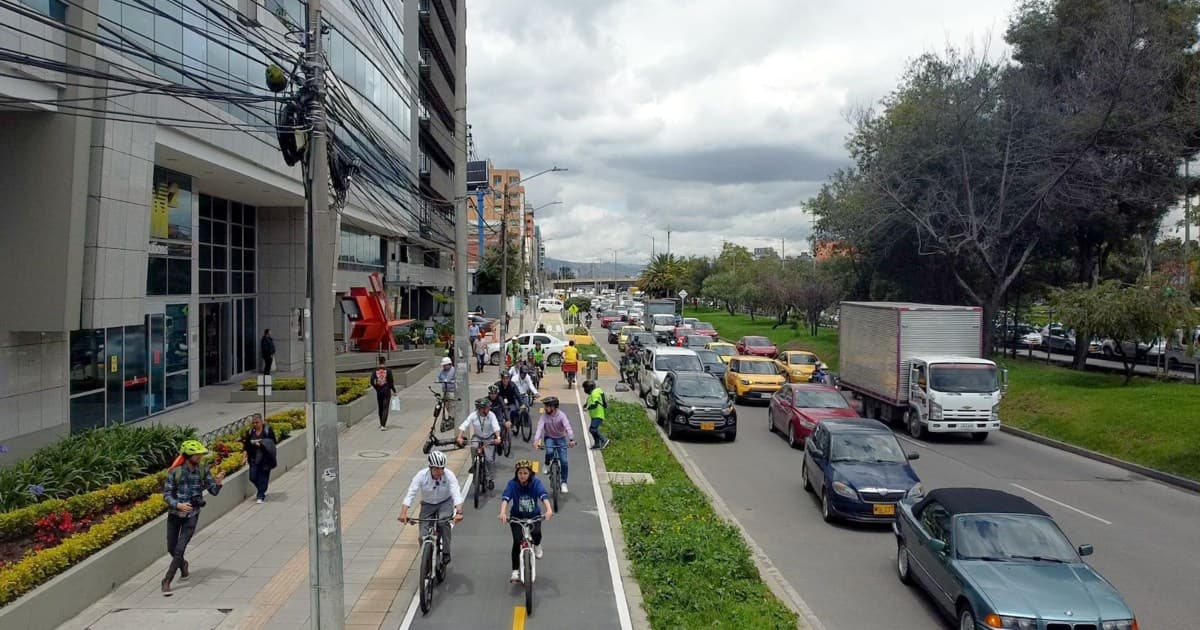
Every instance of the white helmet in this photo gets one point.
(446, 361)
(437, 459)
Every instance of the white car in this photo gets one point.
(550, 305)
(656, 362)
(552, 346)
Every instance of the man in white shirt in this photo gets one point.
(524, 381)
(485, 427)
(440, 494)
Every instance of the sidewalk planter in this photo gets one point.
(74, 590)
(353, 412)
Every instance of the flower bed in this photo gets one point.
(349, 389)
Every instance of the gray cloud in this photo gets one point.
(746, 164)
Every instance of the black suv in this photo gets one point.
(696, 402)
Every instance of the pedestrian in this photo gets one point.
(524, 497)
(429, 335)
(385, 387)
(183, 492)
(480, 348)
(597, 406)
(266, 347)
(475, 330)
(259, 446)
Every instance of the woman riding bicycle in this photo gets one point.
(525, 497)
(482, 423)
(554, 426)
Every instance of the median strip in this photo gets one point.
(693, 567)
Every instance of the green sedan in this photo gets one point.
(993, 560)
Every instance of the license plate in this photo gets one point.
(707, 426)
(884, 509)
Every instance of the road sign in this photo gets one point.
(683, 294)
(574, 310)
(264, 385)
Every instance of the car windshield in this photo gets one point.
(963, 377)
(725, 351)
(756, 367)
(696, 387)
(1011, 537)
(664, 320)
(872, 448)
(610, 314)
(708, 357)
(820, 399)
(678, 362)
(802, 359)
(703, 326)
(757, 341)
(695, 341)
(642, 338)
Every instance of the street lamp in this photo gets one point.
(614, 275)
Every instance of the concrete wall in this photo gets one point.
(281, 287)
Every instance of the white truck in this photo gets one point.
(921, 365)
(659, 318)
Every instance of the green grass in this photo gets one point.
(1150, 422)
(590, 348)
(733, 327)
(694, 568)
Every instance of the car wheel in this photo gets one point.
(804, 477)
(902, 560)
(1106, 351)
(494, 359)
(649, 400)
(966, 619)
(791, 436)
(554, 360)
(913, 422)
(826, 507)
(671, 430)
(1172, 364)
(980, 436)
(731, 435)
(770, 420)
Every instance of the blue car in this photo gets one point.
(858, 470)
(990, 559)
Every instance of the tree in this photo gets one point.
(487, 277)
(566, 273)
(817, 291)
(722, 288)
(1132, 315)
(663, 277)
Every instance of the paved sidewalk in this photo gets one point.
(250, 568)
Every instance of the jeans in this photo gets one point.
(260, 476)
(384, 402)
(445, 509)
(557, 444)
(179, 534)
(597, 439)
(518, 535)
(480, 360)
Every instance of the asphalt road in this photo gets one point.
(573, 587)
(1145, 533)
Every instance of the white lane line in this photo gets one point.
(416, 600)
(1060, 503)
(609, 547)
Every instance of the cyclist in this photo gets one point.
(589, 319)
(512, 353)
(538, 355)
(482, 425)
(541, 328)
(526, 497)
(820, 375)
(597, 406)
(554, 426)
(570, 364)
(508, 393)
(524, 382)
(440, 494)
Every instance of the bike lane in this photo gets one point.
(574, 586)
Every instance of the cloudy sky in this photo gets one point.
(714, 119)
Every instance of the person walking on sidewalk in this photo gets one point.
(441, 496)
(554, 433)
(483, 425)
(259, 446)
(385, 387)
(479, 345)
(597, 406)
(184, 493)
(266, 347)
(524, 497)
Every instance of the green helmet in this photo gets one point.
(192, 447)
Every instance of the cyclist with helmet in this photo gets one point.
(524, 382)
(183, 491)
(509, 393)
(820, 375)
(524, 497)
(555, 430)
(538, 357)
(597, 406)
(570, 363)
(483, 426)
(440, 493)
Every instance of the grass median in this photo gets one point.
(586, 349)
(734, 327)
(694, 568)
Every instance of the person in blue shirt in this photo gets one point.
(524, 497)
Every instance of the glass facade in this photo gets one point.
(228, 247)
(357, 71)
(169, 264)
(124, 373)
(56, 9)
(360, 250)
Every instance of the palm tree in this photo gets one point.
(665, 275)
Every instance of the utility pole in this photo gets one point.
(668, 241)
(652, 248)
(1187, 228)
(524, 268)
(326, 605)
(462, 334)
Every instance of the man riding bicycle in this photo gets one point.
(570, 364)
(521, 377)
(555, 428)
(524, 497)
(439, 494)
(508, 394)
(481, 425)
(538, 356)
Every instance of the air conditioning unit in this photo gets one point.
(248, 12)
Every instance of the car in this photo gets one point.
(614, 331)
(796, 410)
(712, 363)
(725, 350)
(486, 324)
(694, 402)
(552, 346)
(688, 321)
(756, 346)
(752, 377)
(623, 337)
(858, 470)
(550, 305)
(657, 361)
(623, 311)
(706, 329)
(607, 318)
(798, 365)
(991, 559)
(679, 333)
(695, 342)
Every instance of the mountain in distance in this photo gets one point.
(602, 270)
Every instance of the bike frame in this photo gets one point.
(527, 546)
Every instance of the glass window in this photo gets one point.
(156, 276)
(171, 206)
(87, 360)
(218, 53)
(177, 338)
(220, 283)
(179, 276)
(168, 40)
(205, 282)
(87, 411)
(177, 389)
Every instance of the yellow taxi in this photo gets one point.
(753, 378)
(797, 364)
(623, 335)
(724, 350)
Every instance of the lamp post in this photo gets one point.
(614, 274)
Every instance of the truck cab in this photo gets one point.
(954, 395)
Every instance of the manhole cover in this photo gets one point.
(374, 454)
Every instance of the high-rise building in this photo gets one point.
(151, 228)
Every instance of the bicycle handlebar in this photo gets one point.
(414, 521)
(526, 521)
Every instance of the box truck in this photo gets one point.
(921, 366)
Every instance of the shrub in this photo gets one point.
(22, 522)
(295, 417)
(283, 430)
(349, 388)
(583, 303)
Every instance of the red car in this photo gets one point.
(706, 329)
(680, 333)
(796, 408)
(757, 347)
(608, 317)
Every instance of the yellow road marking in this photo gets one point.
(518, 618)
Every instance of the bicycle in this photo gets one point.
(440, 413)
(431, 572)
(593, 367)
(505, 447)
(524, 423)
(554, 473)
(479, 468)
(528, 560)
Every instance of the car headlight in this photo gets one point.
(728, 410)
(844, 490)
(1122, 624)
(685, 410)
(916, 491)
(996, 412)
(935, 411)
(744, 381)
(1015, 623)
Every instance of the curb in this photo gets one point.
(633, 591)
(1167, 478)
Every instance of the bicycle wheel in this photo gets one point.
(527, 578)
(526, 426)
(477, 475)
(426, 577)
(506, 442)
(555, 482)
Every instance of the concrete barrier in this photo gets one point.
(72, 591)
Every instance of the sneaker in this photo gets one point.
(259, 501)
(183, 571)
(604, 444)
(382, 428)
(537, 552)
(166, 586)
(564, 488)
(514, 578)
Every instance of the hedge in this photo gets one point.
(21, 523)
(349, 388)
